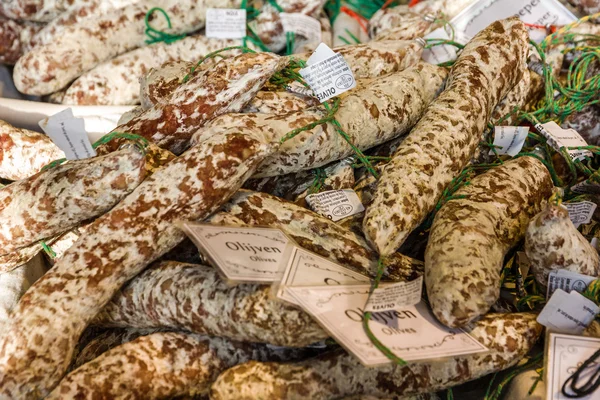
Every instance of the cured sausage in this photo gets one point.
(472, 233)
(159, 84)
(194, 298)
(48, 10)
(447, 136)
(50, 317)
(333, 375)
(14, 36)
(553, 243)
(58, 199)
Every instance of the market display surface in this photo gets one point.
(301, 199)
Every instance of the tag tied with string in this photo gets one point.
(226, 23)
(68, 133)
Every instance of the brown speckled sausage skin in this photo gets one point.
(587, 123)
(470, 237)
(24, 153)
(46, 324)
(194, 298)
(445, 139)
(228, 87)
(14, 36)
(552, 242)
(58, 199)
(336, 374)
(160, 366)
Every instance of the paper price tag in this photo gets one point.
(567, 281)
(225, 23)
(302, 25)
(412, 333)
(568, 312)
(565, 354)
(335, 204)
(484, 12)
(327, 73)
(586, 187)
(559, 137)
(308, 269)
(242, 254)
(396, 295)
(509, 139)
(68, 133)
(581, 212)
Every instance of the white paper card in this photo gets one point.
(484, 12)
(559, 137)
(68, 133)
(412, 333)
(581, 212)
(225, 23)
(509, 139)
(565, 354)
(327, 73)
(302, 25)
(567, 312)
(567, 281)
(242, 254)
(391, 297)
(586, 187)
(308, 269)
(335, 204)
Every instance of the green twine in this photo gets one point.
(48, 250)
(449, 394)
(367, 317)
(497, 392)
(155, 35)
(439, 42)
(593, 291)
(212, 55)
(290, 40)
(318, 182)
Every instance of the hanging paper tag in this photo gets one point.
(302, 25)
(308, 269)
(586, 187)
(396, 295)
(567, 281)
(242, 254)
(568, 312)
(225, 23)
(68, 133)
(581, 212)
(484, 12)
(335, 204)
(509, 139)
(412, 333)
(327, 73)
(566, 353)
(559, 137)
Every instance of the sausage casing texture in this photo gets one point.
(52, 314)
(160, 365)
(58, 199)
(24, 153)
(336, 374)
(14, 36)
(194, 298)
(553, 243)
(80, 47)
(228, 87)
(471, 235)
(447, 136)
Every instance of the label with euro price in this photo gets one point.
(225, 23)
(395, 295)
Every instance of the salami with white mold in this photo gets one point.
(336, 374)
(46, 324)
(553, 243)
(472, 233)
(447, 136)
(14, 37)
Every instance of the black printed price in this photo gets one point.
(326, 93)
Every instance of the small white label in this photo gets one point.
(412, 333)
(242, 254)
(559, 137)
(225, 23)
(396, 295)
(482, 13)
(586, 187)
(68, 133)
(567, 281)
(566, 354)
(327, 73)
(308, 269)
(581, 212)
(335, 204)
(568, 312)
(302, 25)
(509, 139)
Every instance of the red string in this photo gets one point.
(552, 27)
(362, 21)
(413, 3)
(387, 4)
